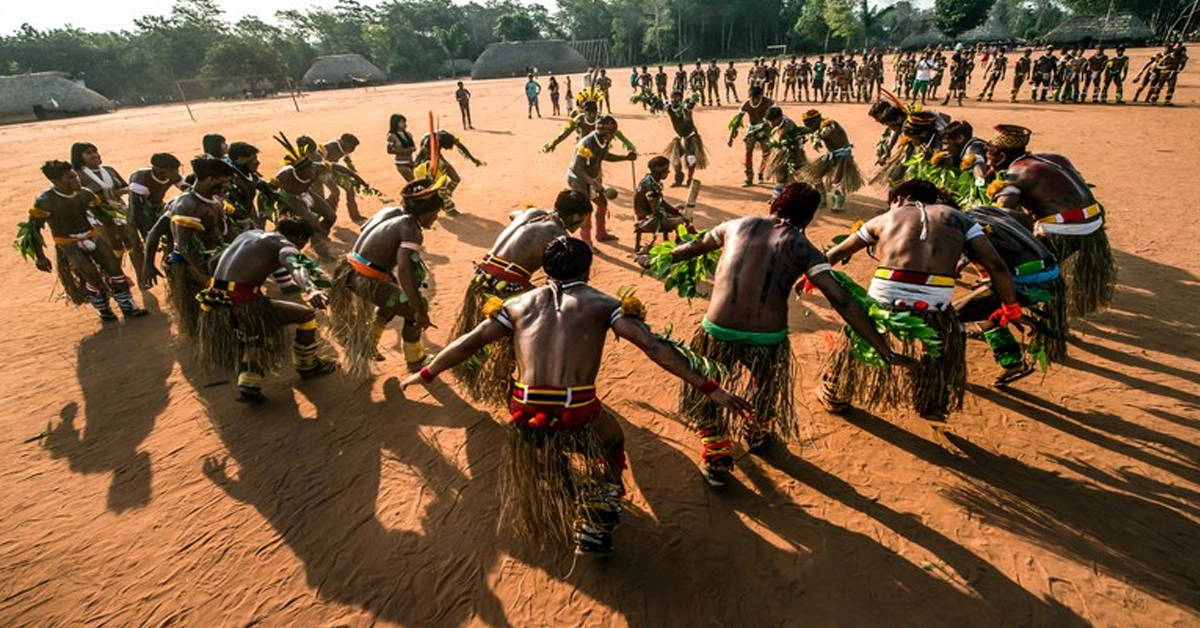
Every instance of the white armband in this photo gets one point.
(865, 235)
(974, 232)
(412, 246)
(138, 188)
(817, 269)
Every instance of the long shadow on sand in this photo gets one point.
(1133, 539)
(122, 396)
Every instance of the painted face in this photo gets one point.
(91, 158)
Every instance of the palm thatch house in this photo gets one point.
(993, 30)
(1090, 30)
(927, 36)
(46, 95)
(335, 71)
(507, 59)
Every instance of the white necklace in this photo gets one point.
(105, 179)
(158, 180)
(71, 195)
(210, 201)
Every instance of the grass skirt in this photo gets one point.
(352, 314)
(545, 472)
(676, 151)
(1053, 315)
(181, 295)
(785, 163)
(937, 388)
(226, 334)
(1089, 269)
(761, 374)
(486, 375)
(828, 172)
(73, 283)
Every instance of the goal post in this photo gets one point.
(778, 50)
(245, 87)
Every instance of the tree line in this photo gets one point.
(417, 39)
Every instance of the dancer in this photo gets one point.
(558, 334)
(755, 109)
(241, 329)
(446, 141)
(686, 151)
(836, 170)
(585, 174)
(87, 266)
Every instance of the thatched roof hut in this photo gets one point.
(991, 31)
(45, 95)
(929, 36)
(1090, 30)
(507, 59)
(342, 71)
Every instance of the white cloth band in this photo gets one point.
(1070, 229)
(898, 293)
(138, 188)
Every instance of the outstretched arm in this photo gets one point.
(458, 351)
(672, 361)
(711, 241)
(851, 245)
(981, 251)
(462, 148)
(851, 312)
(552, 144)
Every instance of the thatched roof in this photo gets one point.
(992, 30)
(25, 97)
(1091, 29)
(930, 36)
(341, 71)
(507, 59)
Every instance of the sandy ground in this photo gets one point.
(151, 498)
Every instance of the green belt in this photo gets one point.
(737, 336)
(1030, 267)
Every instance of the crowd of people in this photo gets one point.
(1026, 221)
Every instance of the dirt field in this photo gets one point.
(151, 498)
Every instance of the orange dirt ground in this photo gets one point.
(151, 498)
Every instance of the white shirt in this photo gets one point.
(925, 70)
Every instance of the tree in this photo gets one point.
(842, 20)
(954, 17)
(515, 27)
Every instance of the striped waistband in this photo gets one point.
(234, 287)
(553, 396)
(503, 269)
(908, 276)
(366, 268)
(1074, 216)
(72, 238)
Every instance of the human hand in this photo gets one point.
(548, 148)
(632, 156)
(421, 320)
(730, 142)
(412, 380)
(642, 260)
(150, 277)
(43, 264)
(730, 402)
(317, 299)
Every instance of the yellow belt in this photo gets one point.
(907, 276)
(1089, 212)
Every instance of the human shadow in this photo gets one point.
(1006, 602)
(472, 229)
(335, 488)
(1141, 542)
(1136, 540)
(122, 397)
(1154, 309)
(768, 548)
(1103, 429)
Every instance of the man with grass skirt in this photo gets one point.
(921, 132)
(87, 266)
(147, 190)
(295, 183)
(1040, 291)
(746, 326)
(447, 141)
(686, 150)
(652, 212)
(198, 225)
(558, 333)
(969, 152)
(241, 329)
(382, 278)
(505, 272)
(787, 148)
(1065, 213)
(918, 243)
(836, 169)
(754, 111)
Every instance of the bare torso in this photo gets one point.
(380, 240)
(524, 241)
(1048, 185)
(761, 260)
(900, 245)
(66, 214)
(252, 257)
(560, 344)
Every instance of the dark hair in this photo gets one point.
(607, 120)
(294, 229)
(305, 140)
(567, 258)
(237, 150)
(212, 144)
(572, 203)
(959, 128)
(774, 113)
(658, 162)
(797, 202)
(164, 161)
(349, 138)
(55, 169)
(206, 167)
(77, 151)
(921, 191)
(394, 122)
(755, 91)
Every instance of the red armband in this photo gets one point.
(1007, 313)
(709, 387)
(426, 374)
